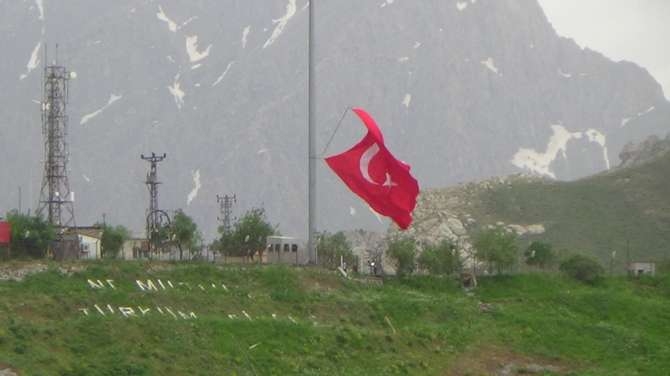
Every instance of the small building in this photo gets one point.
(87, 239)
(636, 269)
(285, 250)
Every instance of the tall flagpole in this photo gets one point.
(311, 134)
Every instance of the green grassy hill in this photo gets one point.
(325, 325)
(626, 210)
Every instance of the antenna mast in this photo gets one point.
(56, 199)
(226, 208)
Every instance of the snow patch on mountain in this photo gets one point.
(177, 92)
(172, 26)
(540, 162)
(33, 62)
(112, 98)
(245, 34)
(192, 49)
(40, 9)
(563, 74)
(462, 5)
(625, 120)
(407, 100)
(650, 109)
(223, 75)
(196, 187)
(281, 23)
(490, 65)
(385, 3)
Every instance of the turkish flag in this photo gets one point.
(375, 175)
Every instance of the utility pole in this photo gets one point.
(226, 209)
(56, 199)
(156, 218)
(627, 255)
(311, 133)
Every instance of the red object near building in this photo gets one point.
(5, 232)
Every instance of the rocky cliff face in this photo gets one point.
(462, 89)
(637, 154)
(453, 214)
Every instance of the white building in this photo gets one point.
(89, 242)
(637, 269)
(285, 250)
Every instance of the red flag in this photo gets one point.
(372, 172)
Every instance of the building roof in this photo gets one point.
(90, 231)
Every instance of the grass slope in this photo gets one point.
(627, 209)
(422, 325)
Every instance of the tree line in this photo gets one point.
(496, 250)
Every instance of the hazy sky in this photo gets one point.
(634, 30)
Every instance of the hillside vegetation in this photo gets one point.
(278, 320)
(625, 212)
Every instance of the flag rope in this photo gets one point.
(332, 136)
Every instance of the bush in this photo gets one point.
(31, 235)
(498, 248)
(249, 235)
(112, 240)
(582, 268)
(539, 254)
(442, 259)
(403, 252)
(332, 247)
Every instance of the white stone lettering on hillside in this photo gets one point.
(127, 311)
(148, 286)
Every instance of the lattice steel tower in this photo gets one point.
(56, 199)
(226, 208)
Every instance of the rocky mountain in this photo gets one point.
(463, 89)
(617, 215)
(637, 154)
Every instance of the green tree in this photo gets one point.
(112, 240)
(31, 235)
(539, 254)
(582, 268)
(333, 246)
(185, 233)
(248, 236)
(498, 248)
(403, 253)
(440, 259)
